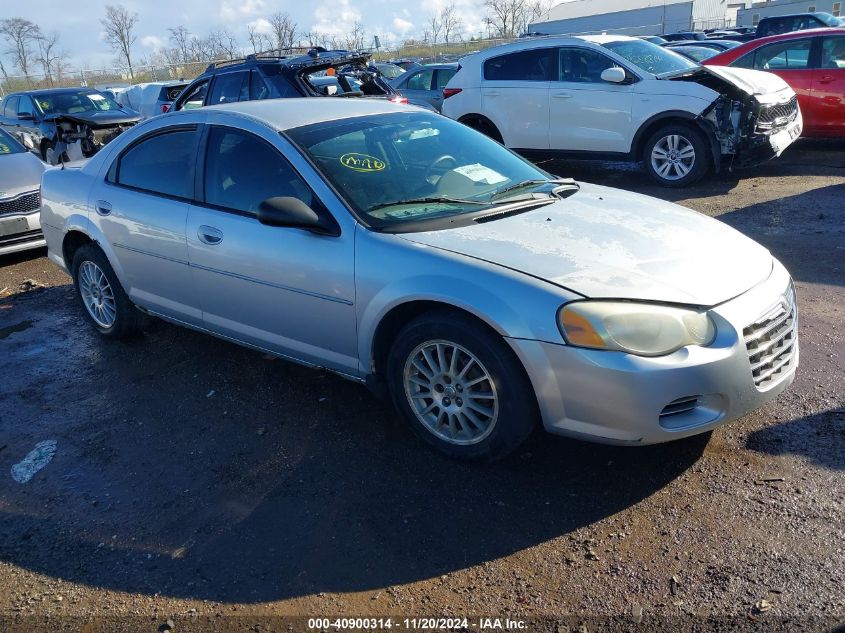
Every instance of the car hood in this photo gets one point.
(751, 82)
(607, 243)
(19, 173)
(98, 119)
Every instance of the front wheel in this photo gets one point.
(676, 156)
(460, 387)
(104, 302)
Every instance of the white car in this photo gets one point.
(20, 197)
(624, 98)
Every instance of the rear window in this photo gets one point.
(531, 65)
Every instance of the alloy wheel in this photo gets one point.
(97, 294)
(673, 157)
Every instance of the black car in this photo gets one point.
(778, 24)
(317, 73)
(683, 36)
(48, 122)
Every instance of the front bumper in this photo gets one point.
(618, 398)
(20, 230)
(765, 145)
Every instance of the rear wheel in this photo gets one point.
(103, 299)
(460, 387)
(676, 156)
(484, 126)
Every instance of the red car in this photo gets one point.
(812, 62)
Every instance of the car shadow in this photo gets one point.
(819, 438)
(190, 467)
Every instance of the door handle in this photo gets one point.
(491, 93)
(209, 235)
(826, 79)
(102, 207)
(562, 95)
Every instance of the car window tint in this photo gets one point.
(533, 65)
(421, 80)
(11, 109)
(581, 65)
(792, 54)
(195, 96)
(241, 171)
(443, 77)
(230, 88)
(258, 88)
(25, 106)
(160, 164)
(833, 52)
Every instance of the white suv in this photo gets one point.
(618, 97)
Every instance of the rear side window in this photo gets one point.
(443, 76)
(421, 80)
(789, 55)
(581, 65)
(532, 65)
(161, 164)
(258, 89)
(242, 170)
(230, 88)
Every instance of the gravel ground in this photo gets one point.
(202, 483)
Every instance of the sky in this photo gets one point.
(78, 22)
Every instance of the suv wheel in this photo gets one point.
(676, 156)
(103, 299)
(460, 387)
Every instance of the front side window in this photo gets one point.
(195, 96)
(230, 88)
(789, 55)
(411, 166)
(650, 57)
(581, 65)
(274, 76)
(161, 164)
(833, 52)
(10, 110)
(241, 171)
(532, 65)
(421, 80)
(25, 106)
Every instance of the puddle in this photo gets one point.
(5, 332)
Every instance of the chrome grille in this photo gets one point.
(24, 203)
(776, 116)
(771, 341)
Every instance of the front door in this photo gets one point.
(283, 289)
(587, 113)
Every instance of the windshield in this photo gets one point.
(8, 145)
(412, 166)
(74, 102)
(650, 57)
(698, 53)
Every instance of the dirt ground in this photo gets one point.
(201, 483)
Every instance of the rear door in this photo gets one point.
(587, 113)
(142, 207)
(282, 289)
(419, 85)
(515, 96)
(827, 105)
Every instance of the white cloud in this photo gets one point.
(402, 26)
(240, 10)
(153, 41)
(262, 25)
(335, 17)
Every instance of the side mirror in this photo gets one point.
(25, 117)
(293, 212)
(614, 75)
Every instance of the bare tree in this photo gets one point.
(356, 38)
(48, 54)
(259, 41)
(118, 26)
(450, 22)
(181, 37)
(284, 30)
(21, 35)
(435, 26)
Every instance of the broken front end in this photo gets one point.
(76, 138)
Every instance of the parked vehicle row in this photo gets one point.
(413, 254)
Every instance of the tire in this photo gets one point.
(690, 162)
(105, 305)
(451, 421)
(485, 127)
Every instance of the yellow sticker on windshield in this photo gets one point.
(362, 162)
(5, 149)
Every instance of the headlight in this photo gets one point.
(636, 328)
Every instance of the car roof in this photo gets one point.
(831, 30)
(286, 114)
(53, 91)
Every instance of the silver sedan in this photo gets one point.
(20, 198)
(409, 253)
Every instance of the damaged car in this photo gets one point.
(622, 98)
(315, 73)
(66, 123)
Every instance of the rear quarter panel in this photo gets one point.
(64, 208)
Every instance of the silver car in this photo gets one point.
(20, 198)
(412, 254)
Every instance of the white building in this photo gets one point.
(752, 15)
(637, 17)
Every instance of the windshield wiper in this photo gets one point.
(564, 184)
(428, 200)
